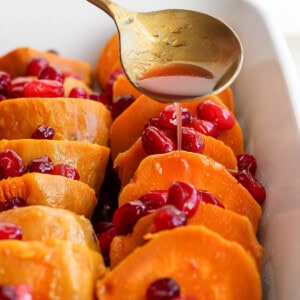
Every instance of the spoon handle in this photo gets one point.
(111, 8)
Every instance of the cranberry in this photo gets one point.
(43, 88)
(168, 217)
(152, 122)
(154, 200)
(108, 89)
(155, 141)
(100, 98)
(2, 97)
(191, 140)
(36, 65)
(255, 188)
(9, 231)
(43, 132)
(208, 198)
(23, 291)
(102, 226)
(105, 239)
(247, 162)
(126, 216)
(8, 292)
(66, 170)
(184, 196)
(5, 79)
(168, 118)
(15, 88)
(215, 113)
(120, 104)
(163, 289)
(11, 164)
(205, 127)
(52, 73)
(41, 164)
(13, 203)
(79, 92)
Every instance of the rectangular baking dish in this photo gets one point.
(266, 94)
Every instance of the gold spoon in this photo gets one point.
(175, 55)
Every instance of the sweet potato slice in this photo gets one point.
(204, 265)
(228, 224)
(160, 171)
(226, 96)
(127, 162)
(128, 126)
(90, 160)
(50, 190)
(41, 223)
(108, 59)
(16, 61)
(53, 269)
(123, 86)
(72, 119)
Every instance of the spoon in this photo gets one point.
(175, 55)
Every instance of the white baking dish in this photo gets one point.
(266, 96)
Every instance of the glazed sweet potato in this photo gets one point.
(226, 223)
(15, 62)
(53, 269)
(41, 223)
(157, 172)
(50, 190)
(127, 162)
(73, 119)
(204, 265)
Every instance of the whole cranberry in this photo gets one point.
(52, 73)
(43, 88)
(5, 79)
(154, 200)
(191, 141)
(247, 161)
(79, 92)
(41, 164)
(9, 231)
(36, 65)
(43, 132)
(11, 164)
(65, 170)
(163, 289)
(13, 203)
(120, 104)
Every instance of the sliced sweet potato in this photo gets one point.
(160, 171)
(228, 224)
(226, 96)
(127, 162)
(15, 62)
(123, 86)
(90, 160)
(204, 265)
(108, 59)
(50, 190)
(72, 119)
(41, 223)
(128, 126)
(53, 269)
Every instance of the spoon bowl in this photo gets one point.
(175, 55)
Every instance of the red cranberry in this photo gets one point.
(79, 92)
(66, 170)
(13, 203)
(184, 196)
(11, 164)
(52, 73)
(2, 97)
(8, 292)
(168, 119)
(36, 65)
(168, 217)
(247, 162)
(100, 98)
(5, 79)
(163, 289)
(205, 127)
(43, 88)
(9, 231)
(102, 226)
(120, 104)
(108, 89)
(105, 239)
(154, 200)
(15, 88)
(208, 198)
(155, 141)
(24, 292)
(191, 140)
(41, 164)
(152, 122)
(127, 215)
(43, 132)
(215, 113)
(255, 188)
